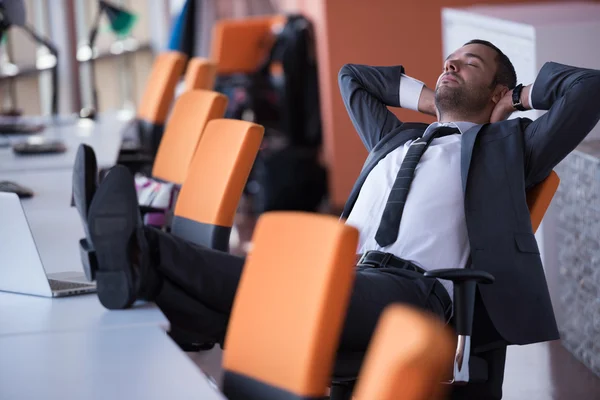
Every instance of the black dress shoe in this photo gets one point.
(124, 272)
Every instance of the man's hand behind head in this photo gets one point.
(504, 107)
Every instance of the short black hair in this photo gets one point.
(505, 74)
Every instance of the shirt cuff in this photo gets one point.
(530, 93)
(409, 92)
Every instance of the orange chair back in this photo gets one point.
(409, 355)
(239, 45)
(290, 305)
(218, 172)
(160, 87)
(539, 198)
(192, 111)
(200, 74)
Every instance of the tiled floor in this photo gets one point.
(545, 371)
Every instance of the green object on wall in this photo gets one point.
(121, 20)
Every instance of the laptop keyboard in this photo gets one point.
(62, 285)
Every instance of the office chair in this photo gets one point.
(209, 197)
(289, 308)
(212, 189)
(157, 98)
(240, 45)
(410, 366)
(200, 74)
(192, 111)
(469, 369)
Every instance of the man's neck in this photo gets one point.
(463, 118)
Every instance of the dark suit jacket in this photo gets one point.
(499, 162)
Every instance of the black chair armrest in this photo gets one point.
(465, 282)
(461, 275)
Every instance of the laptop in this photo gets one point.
(21, 267)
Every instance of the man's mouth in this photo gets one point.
(449, 78)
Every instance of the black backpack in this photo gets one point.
(287, 174)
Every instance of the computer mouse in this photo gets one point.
(38, 145)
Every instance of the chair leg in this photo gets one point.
(341, 391)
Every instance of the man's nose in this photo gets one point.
(451, 65)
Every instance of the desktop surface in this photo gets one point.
(133, 363)
(104, 135)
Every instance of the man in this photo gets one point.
(469, 173)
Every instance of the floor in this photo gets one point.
(547, 371)
(544, 371)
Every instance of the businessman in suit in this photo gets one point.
(446, 195)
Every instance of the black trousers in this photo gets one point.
(199, 286)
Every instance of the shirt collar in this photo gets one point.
(462, 126)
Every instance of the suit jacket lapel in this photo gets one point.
(382, 149)
(467, 145)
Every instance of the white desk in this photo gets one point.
(137, 363)
(23, 314)
(104, 135)
(57, 229)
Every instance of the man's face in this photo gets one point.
(465, 85)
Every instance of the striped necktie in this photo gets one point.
(389, 226)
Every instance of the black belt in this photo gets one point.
(378, 259)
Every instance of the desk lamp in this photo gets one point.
(121, 22)
(12, 12)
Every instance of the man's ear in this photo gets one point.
(499, 92)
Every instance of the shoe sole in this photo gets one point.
(112, 222)
(84, 173)
(84, 185)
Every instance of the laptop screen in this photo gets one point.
(21, 268)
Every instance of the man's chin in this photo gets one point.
(447, 98)
(446, 88)
(444, 93)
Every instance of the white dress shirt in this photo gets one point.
(433, 231)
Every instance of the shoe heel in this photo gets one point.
(114, 290)
(88, 260)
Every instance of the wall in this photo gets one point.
(575, 284)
